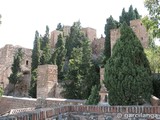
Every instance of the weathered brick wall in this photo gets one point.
(8, 102)
(90, 33)
(47, 80)
(6, 59)
(140, 31)
(98, 46)
(91, 112)
(66, 30)
(54, 37)
(114, 35)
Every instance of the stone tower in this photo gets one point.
(54, 37)
(47, 81)
(138, 28)
(90, 33)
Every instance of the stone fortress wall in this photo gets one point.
(6, 59)
(138, 28)
(8, 51)
(97, 44)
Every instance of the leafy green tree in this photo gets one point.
(156, 84)
(74, 39)
(60, 56)
(60, 41)
(36, 52)
(53, 59)
(124, 16)
(153, 55)
(110, 24)
(73, 77)
(16, 67)
(153, 7)
(88, 70)
(137, 15)
(127, 72)
(154, 60)
(81, 74)
(132, 14)
(46, 49)
(152, 28)
(33, 84)
(34, 65)
(1, 91)
(94, 97)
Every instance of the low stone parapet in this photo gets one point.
(90, 112)
(9, 102)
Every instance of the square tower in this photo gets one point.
(54, 37)
(47, 81)
(90, 33)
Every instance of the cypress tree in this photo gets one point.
(94, 97)
(131, 14)
(60, 56)
(127, 72)
(137, 16)
(128, 16)
(46, 49)
(81, 74)
(16, 67)
(36, 52)
(124, 16)
(110, 24)
(34, 65)
(88, 70)
(53, 59)
(59, 27)
(1, 91)
(74, 39)
(73, 77)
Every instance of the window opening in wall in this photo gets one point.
(141, 38)
(26, 62)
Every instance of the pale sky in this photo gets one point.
(21, 18)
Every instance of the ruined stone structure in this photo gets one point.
(8, 51)
(96, 44)
(6, 59)
(138, 28)
(90, 33)
(47, 82)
